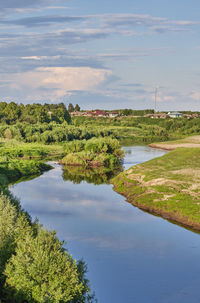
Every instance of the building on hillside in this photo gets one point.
(95, 113)
(100, 113)
(191, 116)
(77, 114)
(175, 115)
(113, 114)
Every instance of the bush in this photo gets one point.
(41, 270)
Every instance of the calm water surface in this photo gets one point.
(132, 256)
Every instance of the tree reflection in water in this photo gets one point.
(97, 175)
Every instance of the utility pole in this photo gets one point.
(156, 93)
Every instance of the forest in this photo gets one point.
(11, 113)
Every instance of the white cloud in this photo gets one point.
(31, 58)
(57, 81)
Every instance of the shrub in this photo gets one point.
(41, 270)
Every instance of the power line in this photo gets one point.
(156, 93)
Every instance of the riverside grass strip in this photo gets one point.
(168, 186)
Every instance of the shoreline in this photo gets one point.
(189, 142)
(183, 222)
(167, 186)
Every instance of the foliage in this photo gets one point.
(11, 113)
(12, 149)
(34, 266)
(15, 169)
(53, 133)
(135, 130)
(94, 152)
(70, 107)
(41, 270)
(8, 218)
(77, 108)
(97, 175)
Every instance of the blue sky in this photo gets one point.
(101, 54)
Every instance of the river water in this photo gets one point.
(132, 256)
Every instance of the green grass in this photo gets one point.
(167, 185)
(21, 160)
(13, 170)
(12, 149)
(184, 141)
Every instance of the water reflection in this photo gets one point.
(132, 256)
(98, 175)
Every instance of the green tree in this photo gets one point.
(70, 107)
(41, 270)
(8, 217)
(77, 108)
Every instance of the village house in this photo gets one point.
(157, 116)
(95, 113)
(175, 115)
(113, 114)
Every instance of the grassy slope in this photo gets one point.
(18, 159)
(16, 149)
(189, 142)
(168, 186)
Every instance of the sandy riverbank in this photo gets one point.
(189, 142)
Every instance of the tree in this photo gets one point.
(77, 108)
(41, 270)
(8, 217)
(70, 107)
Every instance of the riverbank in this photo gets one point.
(189, 142)
(22, 239)
(18, 159)
(168, 186)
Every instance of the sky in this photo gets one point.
(101, 54)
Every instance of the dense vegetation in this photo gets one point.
(34, 266)
(19, 160)
(56, 130)
(49, 133)
(142, 129)
(11, 113)
(134, 130)
(94, 152)
(72, 108)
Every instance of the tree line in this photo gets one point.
(48, 133)
(72, 108)
(11, 113)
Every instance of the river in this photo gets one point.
(132, 256)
